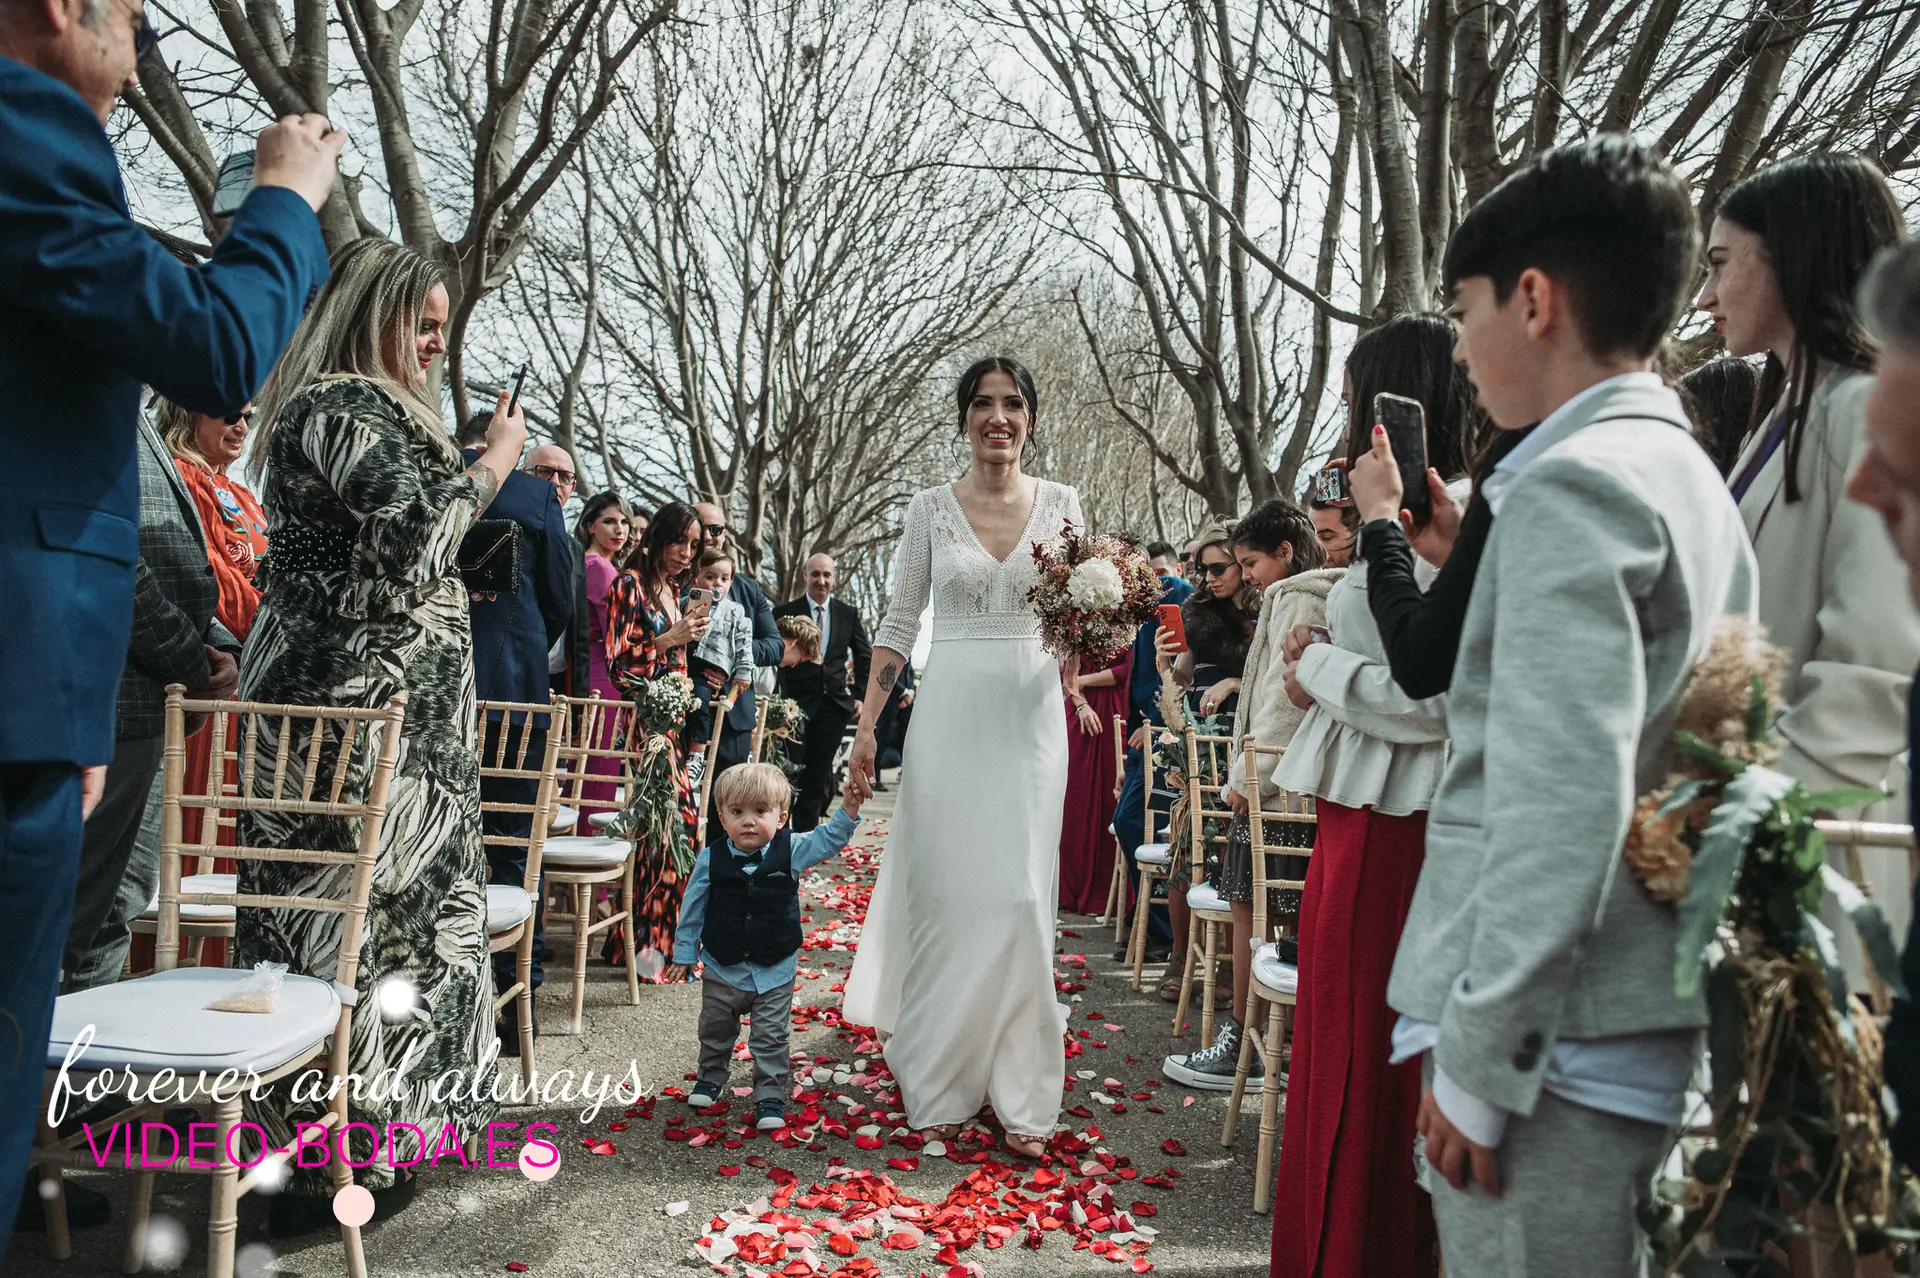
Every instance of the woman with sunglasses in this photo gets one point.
(230, 515)
(1220, 617)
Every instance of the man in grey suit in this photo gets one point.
(1536, 976)
(175, 640)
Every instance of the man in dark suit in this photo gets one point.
(512, 634)
(736, 731)
(90, 307)
(567, 660)
(827, 691)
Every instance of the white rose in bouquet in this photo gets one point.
(1096, 584)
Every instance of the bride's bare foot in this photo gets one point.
(1026, 1146)
(945, 1131)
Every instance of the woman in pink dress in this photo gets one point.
(606, 529)
(1086, 844)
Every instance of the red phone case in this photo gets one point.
(1170, 619)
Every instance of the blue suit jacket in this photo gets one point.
(513, 633)
(90, 307)
(767, 644)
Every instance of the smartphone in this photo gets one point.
(1406, 424)
(699, 597)
(1319, 634)
(1330, 485)
(519, 380)
(231, 187)
(1170, 619)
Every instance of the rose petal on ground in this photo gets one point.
(675, 1209)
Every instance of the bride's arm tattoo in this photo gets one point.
(486, 481)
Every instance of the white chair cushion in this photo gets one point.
(507, 907)
(1204, 896)
(585, 851)
(599, 819)
(1153, 854)
(1272, 973)
(200, 913)
(162, 1021)
(564, 818)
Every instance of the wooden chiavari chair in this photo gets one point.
(1275, 983)
(1117, 886)
(574, 864)
(720, 708)
(758, 745)
(1152, 860)
(1209, 916)
(523, 744)
(1850, 837)
(202, 923)
(161, 1023)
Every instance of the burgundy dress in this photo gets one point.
(1086, 844)
(1346, 1205)
(598, 796)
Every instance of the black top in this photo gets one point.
(1903, 1030)
(1421, 632)
(755, 917)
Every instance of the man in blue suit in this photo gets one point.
(1129, 821)
(91, 307)
(512, 634)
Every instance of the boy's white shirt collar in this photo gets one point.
(1551, 431)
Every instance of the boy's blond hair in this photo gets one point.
(753, 784)
(805, 635)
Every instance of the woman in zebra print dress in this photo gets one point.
(367, 501)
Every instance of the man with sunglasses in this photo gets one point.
(91, 306)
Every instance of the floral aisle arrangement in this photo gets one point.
(1797, 1129)
(787, 721)
(1092, 594)
(652, 812)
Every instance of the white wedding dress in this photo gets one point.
(956, 959)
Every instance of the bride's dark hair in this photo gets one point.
(1022, 379)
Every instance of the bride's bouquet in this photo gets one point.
(652, 813)
(1092, 594)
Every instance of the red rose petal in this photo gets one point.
(729, 1171)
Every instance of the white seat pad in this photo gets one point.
(507, 907)
(162, 1021)
(1271, 972)
(200, 913)
(564, 818)
(585, 850)
(599, 819)
(1153, 854)
(1204, 896)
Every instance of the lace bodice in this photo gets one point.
(974, 596)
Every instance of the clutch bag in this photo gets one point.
(489, 557)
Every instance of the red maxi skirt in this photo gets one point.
(1346, 1205)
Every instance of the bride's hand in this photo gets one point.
(860, 765)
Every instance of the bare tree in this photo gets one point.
(787, 311)
(477, 112)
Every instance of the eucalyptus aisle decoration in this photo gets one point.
(652, 813)
(1795, 1067)
(788, 722)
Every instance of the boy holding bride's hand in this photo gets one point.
(742, 908)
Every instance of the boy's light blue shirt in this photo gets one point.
(807, 850)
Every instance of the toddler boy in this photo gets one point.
(742, 907)
(724, 655)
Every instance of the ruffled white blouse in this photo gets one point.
(1363, 743)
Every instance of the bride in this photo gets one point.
(956, 958)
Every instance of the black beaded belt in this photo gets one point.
(310, 550)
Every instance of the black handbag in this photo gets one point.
(489, 557)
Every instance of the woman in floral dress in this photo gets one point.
(367, 500)
(647, 638)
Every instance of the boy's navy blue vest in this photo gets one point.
(755, 917)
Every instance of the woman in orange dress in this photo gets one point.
(647, 638)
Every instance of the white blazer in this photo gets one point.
(1834, 593)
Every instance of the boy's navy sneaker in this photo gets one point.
(772, 1115)
(703, 1096)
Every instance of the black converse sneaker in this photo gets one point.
(703, 1095)
(1211, 1068)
